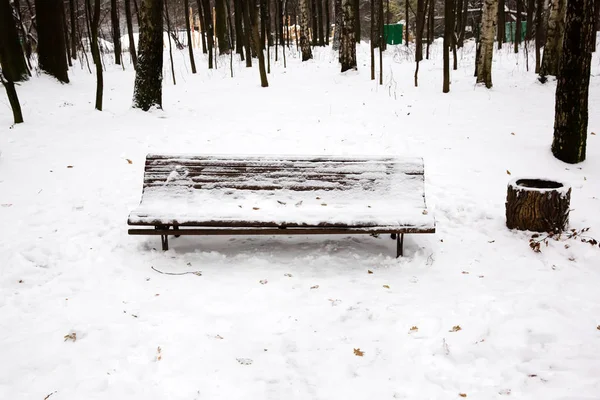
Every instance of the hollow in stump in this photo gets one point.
(538, 205)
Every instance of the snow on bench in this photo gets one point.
(270, 195)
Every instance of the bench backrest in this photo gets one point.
(258, 173)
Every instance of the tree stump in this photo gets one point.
(537, 205)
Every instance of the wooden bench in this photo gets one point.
(267, 195)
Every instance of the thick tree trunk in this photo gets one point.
(571, 110)
(203, 32)
(554, 39)
(537, 205)
(337, 5)
(147, 92)
(304, 37)
(51, 39)
(357, 21)
(189, 35)
(501, 24)
(314, 31)
(239, 34)
(348, 45)
(258, 45)
(13, 99)
(484, 61)
(14, 67)
(66, 31)
(529, 28)
(320, 22)
(116, 30)
(221, 26)
(130, 33)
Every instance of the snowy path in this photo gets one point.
(528, 321)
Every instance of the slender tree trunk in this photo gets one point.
(357, 22)
(539, 34)
(14, 67)
(258, 45)
(208, 23)
(381, 40)
(116, 31)
(73, 30)
(203, 31)
(147, 91)
(314, 36)
(448, 33)
(530, 11)
(484, 62)
(51, 39)
(554, 39)
(327, 22)
(221, 27)
(501, 31)
(458, 5)
(372, 44)
(348, 39)
(304, 37)
(95, 21)
(13, 99)
(247, 32)
(407, 20)
(169, 39)
(421, 7)
(430, 26)
(572, 90)
(130, 33)
(518, 28)
(239, 34)
(66, 31)
(265, 20)
(337, 4)
(186, 5)
(320, 22)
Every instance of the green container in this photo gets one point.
(510, 31)
(393, 33)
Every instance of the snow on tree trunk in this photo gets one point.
(12, 60)
(147, 91)
(348, 49)
(554, 39)
(338, 24)
(304, 40)
(488, 26)
(571, 110)
(52, 52)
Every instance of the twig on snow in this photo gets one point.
(198, 273)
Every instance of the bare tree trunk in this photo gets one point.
(381, 40)
(12, 61)
(337, 5)
(518, 28)
(239, 34)
(203, 32)
(320, 22)
(407, 20)
(116, 31)
(313, 19)
(66, 31)
(421, 7)
(572, 90)
(147, 92)
(169, 39)
(529, 28)
(247, 33)
(501, 31)
(348, 39)
(51, 39)
(304, 38)
(73, 30)
(13, 99)
(554, 39)
(208, 23)
(356, 8)
(430, 26)
(448, 34)
(539, 34)
(327, 22)
(484, 62)
(372, 44)
(95, 17)
(186, 5)
(221, 27)
(258, 46)
(130, 33)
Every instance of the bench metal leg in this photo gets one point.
(176, 228)
(399, 245)
(164, 239)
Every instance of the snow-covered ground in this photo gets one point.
(281, 317)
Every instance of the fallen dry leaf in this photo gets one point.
(598, 327)
(128, 161)
(314, 287)
(512, 133)
(425, 212)
(218, 337)
(462, 394)
(71, 336)
(369, 271)
(359, 353)
(386, 286)
(323, 204)
(466, 272)
(159, 354)
(481, 276)
(414, 329)
(593, 133)
(508, 172)
(255, 208)
(456, 328)
(288, 275)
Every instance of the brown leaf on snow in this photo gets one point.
(462, 394)
(369, 271)
(414, 329)
(455, 328)
(128, 161)
(159, 354)
(386, 286)
(69, 166)
(512, 133)
(593, 133)
(359, 353)
(508, 172)
(323, 204)
(314, 287)
(71, 336)
(598, 327)
(255, 208)
(218, 337)
(466, 272)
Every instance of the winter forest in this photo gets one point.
(300, 199)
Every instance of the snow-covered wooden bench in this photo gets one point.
(256, 195)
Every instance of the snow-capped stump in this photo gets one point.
(538, 205)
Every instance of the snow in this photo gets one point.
(281, 317)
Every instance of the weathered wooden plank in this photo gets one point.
(268, 231)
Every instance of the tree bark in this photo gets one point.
(239, 42)
(554, 39)
(529, 28)
(501, 24)
(73, 30)
(518, 27)
(130, 33)
(258, 46)
(116, 30)
(304, 37)
(95, 21)
(372, 44)
(202, 21)
(51, 39)
(208, 23)
(337, 5)
(13, 99)
(221, 27)
(320, 22)
(571, 110)
(147, 91)
(327, 22)
(407, 19)
(448, 34)
(247, 33)
(348, 45)
(189, 34)
(430, 27)
(537, 205)
(539, 34)
(14, 67)
(357, 22)
(488, 24)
